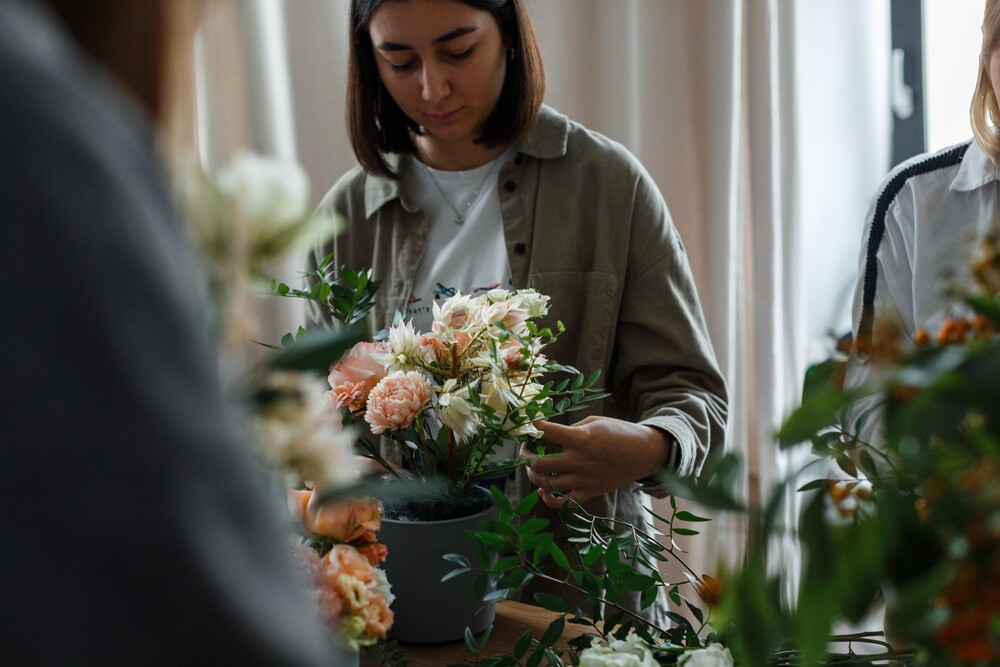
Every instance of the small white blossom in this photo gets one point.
(630, 652)
(456, 313)
(403, 351)
(536, 304)
(456, 411)
(713, 655)
(497, 295)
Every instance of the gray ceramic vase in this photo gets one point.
(427, 610)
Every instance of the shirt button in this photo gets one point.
(519, 158)
(520, 249)
(510, 186)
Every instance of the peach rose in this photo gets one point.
(345, 520)
(353, 377)
(351, 520)
(397, 400)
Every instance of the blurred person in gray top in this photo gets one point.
(136, 529)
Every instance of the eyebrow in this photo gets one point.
(447, 37)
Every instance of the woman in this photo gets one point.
(170, 548)
(925, 221)
(466, 182)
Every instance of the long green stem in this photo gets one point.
(538, 573)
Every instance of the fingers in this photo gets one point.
(556, 433)
(551, 463)
(558, 499)
(368, 467)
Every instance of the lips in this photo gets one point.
(444, 117)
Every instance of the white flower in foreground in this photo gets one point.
(456, 411)
(714, 655)
(271, 193)
(299, 432)
(632, 652)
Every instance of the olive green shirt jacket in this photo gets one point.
(585, 224)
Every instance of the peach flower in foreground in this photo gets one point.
(353, 377)
(397, 400)
(357, 610)
(375, 552)
(349, 520)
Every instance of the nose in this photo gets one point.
(435, 86)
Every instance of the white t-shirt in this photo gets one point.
(468, 257)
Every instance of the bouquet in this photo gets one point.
(340, 554)
(451, 397)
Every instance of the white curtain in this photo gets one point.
(764, 122)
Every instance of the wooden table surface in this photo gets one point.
(513, 618)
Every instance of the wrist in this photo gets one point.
(657, 455)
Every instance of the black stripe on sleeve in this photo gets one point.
(937, 161)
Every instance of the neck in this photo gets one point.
(455, 158)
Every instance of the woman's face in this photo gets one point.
(444, 64)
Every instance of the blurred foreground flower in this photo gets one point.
(244, 217)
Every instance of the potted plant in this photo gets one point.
(439, 407)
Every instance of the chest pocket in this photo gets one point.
(587, 304)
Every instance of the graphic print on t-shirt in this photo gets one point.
(420, 309)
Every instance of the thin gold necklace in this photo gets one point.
(460, 214)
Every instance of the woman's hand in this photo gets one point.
(599, 454)
(369, 467)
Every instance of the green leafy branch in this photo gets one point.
(602, 558)
(347, 296)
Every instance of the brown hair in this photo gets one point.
(377, 125)
(135, 40)
(985, 111)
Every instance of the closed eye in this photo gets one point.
(463, 55)
(401, 68)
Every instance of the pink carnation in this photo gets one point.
(397, 400)
(353, 377)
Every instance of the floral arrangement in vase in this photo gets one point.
(452, 396)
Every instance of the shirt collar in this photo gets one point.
(547, 139)
(975, 171)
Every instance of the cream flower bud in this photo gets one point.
(456, 411)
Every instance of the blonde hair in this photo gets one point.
(985, 110)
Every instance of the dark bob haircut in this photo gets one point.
(377, 125)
